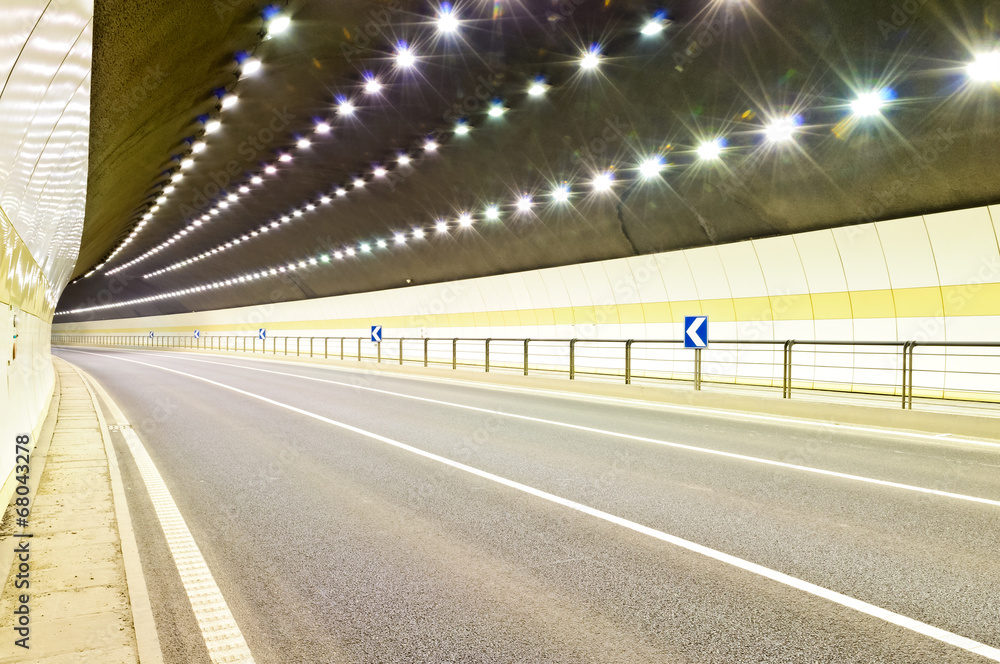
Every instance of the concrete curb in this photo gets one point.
(146, 638)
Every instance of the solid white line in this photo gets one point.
(626, 436)
(700, 410)
(222, 635)
(843, 600)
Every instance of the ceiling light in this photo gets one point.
(233, 197)
(655, 25)
(869, 104)
(461, 128)
(176, 177)
(591, 58)
(187, 163)
(212, 126)
(430, 146)
(341, 191)
(418, 232)
(197, 146)
(403, 160)
(447, 21)
(303, 143)
(985, 68)
(228, 101)
(161, 199)
(381, 244)
(524, 203)
(349, 251)
(256, 179)
(325, 200)
(492, 212)
(244, 189)
(441, 226)
(338, 255)
(603, 181)
(651, 167)
(404, 55)
(399, 238)
(465, 220)
(372, 85)
(323, 128)
(365, 247)
(277, 25)
(379, 172)
(496, 109)
(560, 194)
(712, 149)
(271, 170)
(249, 67)
(285, 158)
(538, 87)
(781, 130)
(346, 107)
(358, 183)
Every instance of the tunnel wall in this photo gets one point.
(44, 136)
(934, 277)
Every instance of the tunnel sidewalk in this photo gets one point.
(81, 565)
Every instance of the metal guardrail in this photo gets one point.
(871, 367)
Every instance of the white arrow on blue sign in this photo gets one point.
(197, 334)
(376, 334)
(150, 335)
(261, 333)
(696, 331)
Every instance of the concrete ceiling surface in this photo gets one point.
(720, 68)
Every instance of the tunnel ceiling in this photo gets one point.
(718, 69)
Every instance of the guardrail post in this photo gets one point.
(342, 348)
(359, 349)
(401, 351)
(526, 356)
(908, 349)
(786, 378)
(298, 342)
(488, 355)
(572, 359)
(697, 369)
(425, 351)
(326, 348)
(628, 361)
(378, 345)
(454, 353)
(909, 392)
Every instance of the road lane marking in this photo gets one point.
(699, 410)
(626, 436)
(886, 615)
(222, 635)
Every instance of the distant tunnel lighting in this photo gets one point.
(465, 220)
(197, 146)
(346, 107)
(710, 150)
(303, 143)
(560, 194)
(380, 172)
(447, 21)
(249, 67)
(441, 226)
(524, 203)
(341, 191)
(405, 56)
(655, 25)
(492, 212)
(256, 179)
(278, 24)
(176, 177)
(985, 68)
(270, 170)
(372, 85)
(651, 167)
(399, 238)
(285, 158)
(603, 181)
(403, 160)
(212, 126)
(365, 247)
(781, 130)
(228, 101)
(418, 233)
(461, 128)
(430, 146)
(381, 244)
(349, 251)
(323, 128)
(869, 104)
(359, 183)
(496, 109)
(591, 58)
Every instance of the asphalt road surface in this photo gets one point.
(351, 517)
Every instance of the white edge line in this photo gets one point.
(911, 624)
(702, 410)
(214, 618)
(626, 436)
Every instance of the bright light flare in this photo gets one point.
(249, 67)
(603, 181)
(277, 25)
(781, 130)
(373, 85)
(346, 107)
(651, 167)
(524, 203)
(869, 104)
(655, 25)
(985, 68)
(591, 59)
(711, 150)
(447, 20)
(560, 194)
(405, 57)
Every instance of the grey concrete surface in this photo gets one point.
(332, 547)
